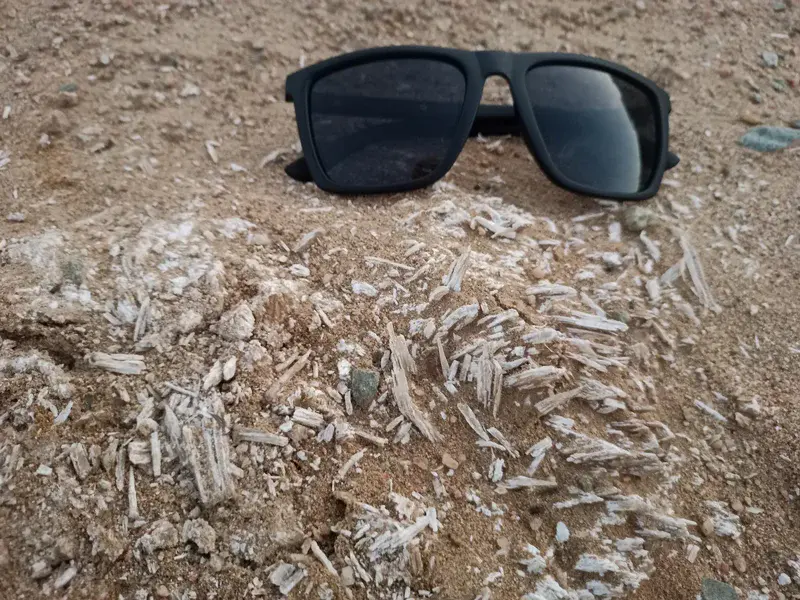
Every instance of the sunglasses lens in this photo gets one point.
(600, 130)
(386, 123)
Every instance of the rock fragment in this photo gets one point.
(162, 535)
(449, 462)
(769, 139)
(80, 460)
(105, 542)
(65, 578)
(229, 369)
(189, 321)
(237, 324)
(363, 288)
(717, 590)
(256, 436)
(214, 376)
(65, 549)
(364, 386)
(201, 533)
(740, 564)
(286, 577)
(562, 532)
(207, 453)
(770, 59)
(40, 569)
(638, 218)
(123, 364)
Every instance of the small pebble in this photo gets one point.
(299, 270)
(691, 552)
(364, 386)
(750, 119)
(740, 564)
(540, 272)
(216, 562)
(562, 532)
(65, 577)
(229, 369)
(189, 90)
(612, 260)
(769, 139)
(449, 462)
(16, 217)
(40, 569)
(637, 218)
(770, 59)
(65, 549)
(717, 590)
(737, 505)
(707, 527)
(784, 579)
(258, 239)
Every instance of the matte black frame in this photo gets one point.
(477, 67)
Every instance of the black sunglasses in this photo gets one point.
(395, 119)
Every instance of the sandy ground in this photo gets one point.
(124, 236)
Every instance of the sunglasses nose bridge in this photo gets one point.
(495, 64)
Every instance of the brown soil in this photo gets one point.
(131, 157)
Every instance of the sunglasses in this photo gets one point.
(395, 119)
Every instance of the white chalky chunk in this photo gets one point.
(562, 532)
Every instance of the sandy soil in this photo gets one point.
(123, 236)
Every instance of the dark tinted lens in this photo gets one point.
(386, 123)
(599, 129)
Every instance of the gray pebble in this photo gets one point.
(717, 590)
(40, 569)
(770, 59)
(638, 218)
(769, 139)
(364, 386)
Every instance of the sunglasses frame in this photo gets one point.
(476, 68)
